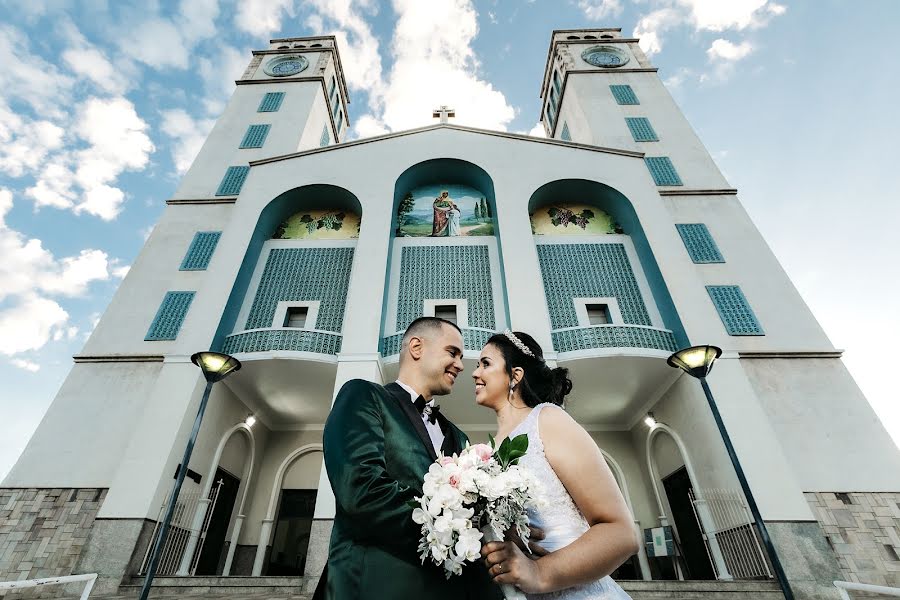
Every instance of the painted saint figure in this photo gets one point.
(442, 206)
(453, 220)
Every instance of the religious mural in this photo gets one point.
(444, 210)
(319, 225)
(572, 219)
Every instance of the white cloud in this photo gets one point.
(724, 50)
(650, 27)
(89, 62)
(30, 274)
(600, 9)
(187, 134)
(434, 64)
(715, 15)
(29, 323)
(164, 43)
(30, 79)
(262, 17)
(27, 365)
(25, 143)
(117, 142)
(538, 130)
(357, 44)
(702, 15)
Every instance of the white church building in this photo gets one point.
(614, 242)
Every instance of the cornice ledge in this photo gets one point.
(399, 134)
(178, 201)
(700, 192)
(793, 354)
(117, 358)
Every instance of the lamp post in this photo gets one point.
(697, 361)
(215, 367)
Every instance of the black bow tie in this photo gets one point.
(431, 412)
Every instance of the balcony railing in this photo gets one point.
(297, 340)
(474, 338)
(572, 339)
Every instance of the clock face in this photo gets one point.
(284, 66)
(604, 56)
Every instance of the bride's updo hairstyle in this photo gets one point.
(539, 383)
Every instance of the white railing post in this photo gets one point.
(264, 533)
(235, 533)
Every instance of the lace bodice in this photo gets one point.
(557, 513)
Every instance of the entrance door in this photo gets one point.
(211, 553)
(291, 539)
(689, 536)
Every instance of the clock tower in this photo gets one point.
(601, 90)
(292, 97)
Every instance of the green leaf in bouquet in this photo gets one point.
(413, 503)
(492, 441)
(518, 448)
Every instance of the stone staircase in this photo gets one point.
(295, 588)
(703, 590)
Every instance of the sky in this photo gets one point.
(103, 106)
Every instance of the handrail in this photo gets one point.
(843, 586)
(90, 578)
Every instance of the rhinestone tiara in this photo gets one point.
(518, 343)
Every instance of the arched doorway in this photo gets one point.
(284, 536)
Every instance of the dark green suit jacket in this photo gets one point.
(377, 452)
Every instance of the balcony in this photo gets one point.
(278, 338)
(574, 339)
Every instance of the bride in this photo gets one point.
(587, 526)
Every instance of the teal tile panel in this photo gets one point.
(734, 310)
(662, 170)
(233, 181)
(565, 136)
(271, 102)
(448, 272)
(700, 245)
(572, 271)
(255, 136)
(325, 138)
(304, 274)
(624, 94)
(200, 251)
(641, 130)
(170, 316)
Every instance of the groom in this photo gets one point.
(379, 442)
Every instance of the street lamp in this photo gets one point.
(215, 367)
(697, 361)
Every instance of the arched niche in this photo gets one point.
(308, 199)
(456, 285)
(615, 210)
(421, 190)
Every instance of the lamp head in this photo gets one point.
(696, 361)
(215, 365)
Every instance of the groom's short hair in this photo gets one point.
(423, 326)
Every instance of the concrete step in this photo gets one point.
(292, 588)
(703, 590)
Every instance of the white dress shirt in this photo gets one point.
(434, 429)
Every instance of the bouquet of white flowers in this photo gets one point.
(482, 493)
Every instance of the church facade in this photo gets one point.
(614, 242)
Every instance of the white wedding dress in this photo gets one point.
(558, 515)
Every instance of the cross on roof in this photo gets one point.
(444, 113)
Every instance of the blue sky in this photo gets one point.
(104, 104)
